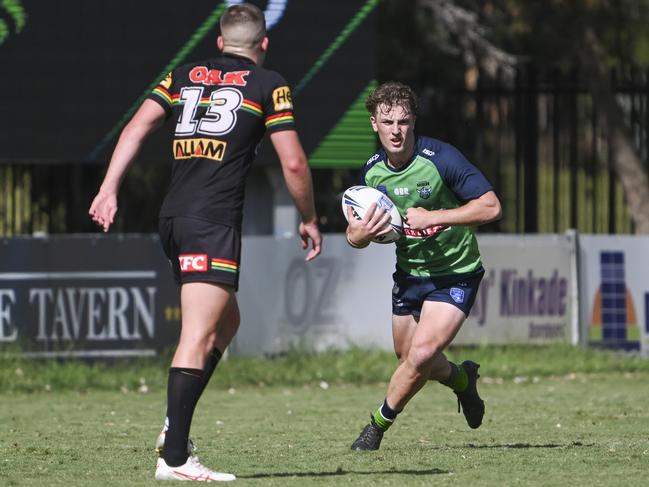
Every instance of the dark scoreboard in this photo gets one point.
(74, 71)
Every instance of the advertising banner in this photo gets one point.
(528, 294)
(86, 296)
(112, 296)
(614, 285)
(343, 298)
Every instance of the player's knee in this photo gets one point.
(421, 356)
(195, 346)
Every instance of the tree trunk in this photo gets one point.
(626, 160)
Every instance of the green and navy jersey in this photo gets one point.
(222, 109)
(437, 177)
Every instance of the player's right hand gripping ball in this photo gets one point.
(360, 198)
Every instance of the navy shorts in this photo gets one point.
(201, 251)
(410, 292)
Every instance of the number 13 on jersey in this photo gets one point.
(220, 116)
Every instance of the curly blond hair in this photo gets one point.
(392, 93)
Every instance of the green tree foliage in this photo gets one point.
(4, 31)
(595, 35)
(591, 35)
(551, 33)
(17, 14)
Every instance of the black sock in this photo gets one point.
(452, 377)
(183, 390)
(211, 362)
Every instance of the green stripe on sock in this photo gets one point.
(458, 380)
(461, 381)
(380, 421)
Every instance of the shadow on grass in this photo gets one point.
(341, 471)
(528, 445)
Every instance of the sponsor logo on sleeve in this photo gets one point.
(166, 83)
(193, 262)
(282, 98)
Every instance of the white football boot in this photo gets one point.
(191, 470)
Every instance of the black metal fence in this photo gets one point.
(46, 197)
(540, 139)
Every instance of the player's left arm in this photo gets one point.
(479, 203)
(484, 209)
(147, 119)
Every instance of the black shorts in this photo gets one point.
(201, 251)
(410, 292)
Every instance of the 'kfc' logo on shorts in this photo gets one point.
(193, 262)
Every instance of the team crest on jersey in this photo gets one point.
(282, 98)
(209, 77)
(424, 190)
(166, 83)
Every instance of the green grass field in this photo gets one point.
(546, 425)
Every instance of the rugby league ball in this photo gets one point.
(360, 198)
